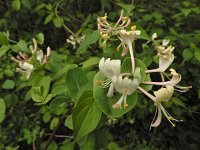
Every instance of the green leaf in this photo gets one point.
(58, 90)
(57, 22)
(186, 11)
(105, 103)
(16, 4)
(147, 17)
(90, 62)
(40, 90)
(2, 109)
(40, 38)
(143, 34)
(54, 123)
(76, 80)
(197, 55)
(3, 39)
(3, 50)
(69, 122)
(8, 84)
(89, 39)
(128, 8)
(187, 54)
(57, 103)
(22, 45)
(65, 70)
(127, 67)
(86, 115)
(49, 18)
(46, 117)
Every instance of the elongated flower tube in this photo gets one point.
(109, 68)
(165, 58)
(125, 86)
(176, 78)
(161, 95)
(128, 37)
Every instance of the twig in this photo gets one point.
(34, 147)
(56, 13)
(54, 131)
(60, 136)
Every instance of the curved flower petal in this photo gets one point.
(110, 68)
(158, 118)
(164, 63)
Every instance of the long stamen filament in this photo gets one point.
(167, 115)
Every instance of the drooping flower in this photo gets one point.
(125, 86)
(109, 68)
(162, 95)
(175, 79)
(165, 58)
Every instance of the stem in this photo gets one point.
(55, 130)
(66, 28)
(147, 94)
(132, 56)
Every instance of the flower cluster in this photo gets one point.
(26, 63)
(130, 82)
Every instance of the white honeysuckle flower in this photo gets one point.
(165, 42)
(175, 79)
(162, 95)
(109, 68)
(154, 36)
(25, 69)
(128, 37)
(26, 66)
(165, 59)
(40, 55)
(125, 86)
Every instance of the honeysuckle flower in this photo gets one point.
(128, 37)
(107, 29)
(165, 42)
(154, 36)
(162, 95)
(165, 58)
(25, 69)
(175, 79)
(125, 86)
(34, 46)
(74, 40)
(40, 56)
(109, 68)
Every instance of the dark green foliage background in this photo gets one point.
(27, 126)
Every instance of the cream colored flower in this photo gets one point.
(165, 58)
(175, 79)
(128, 37)
(25, 69)
(109, 68)
(125, 86)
